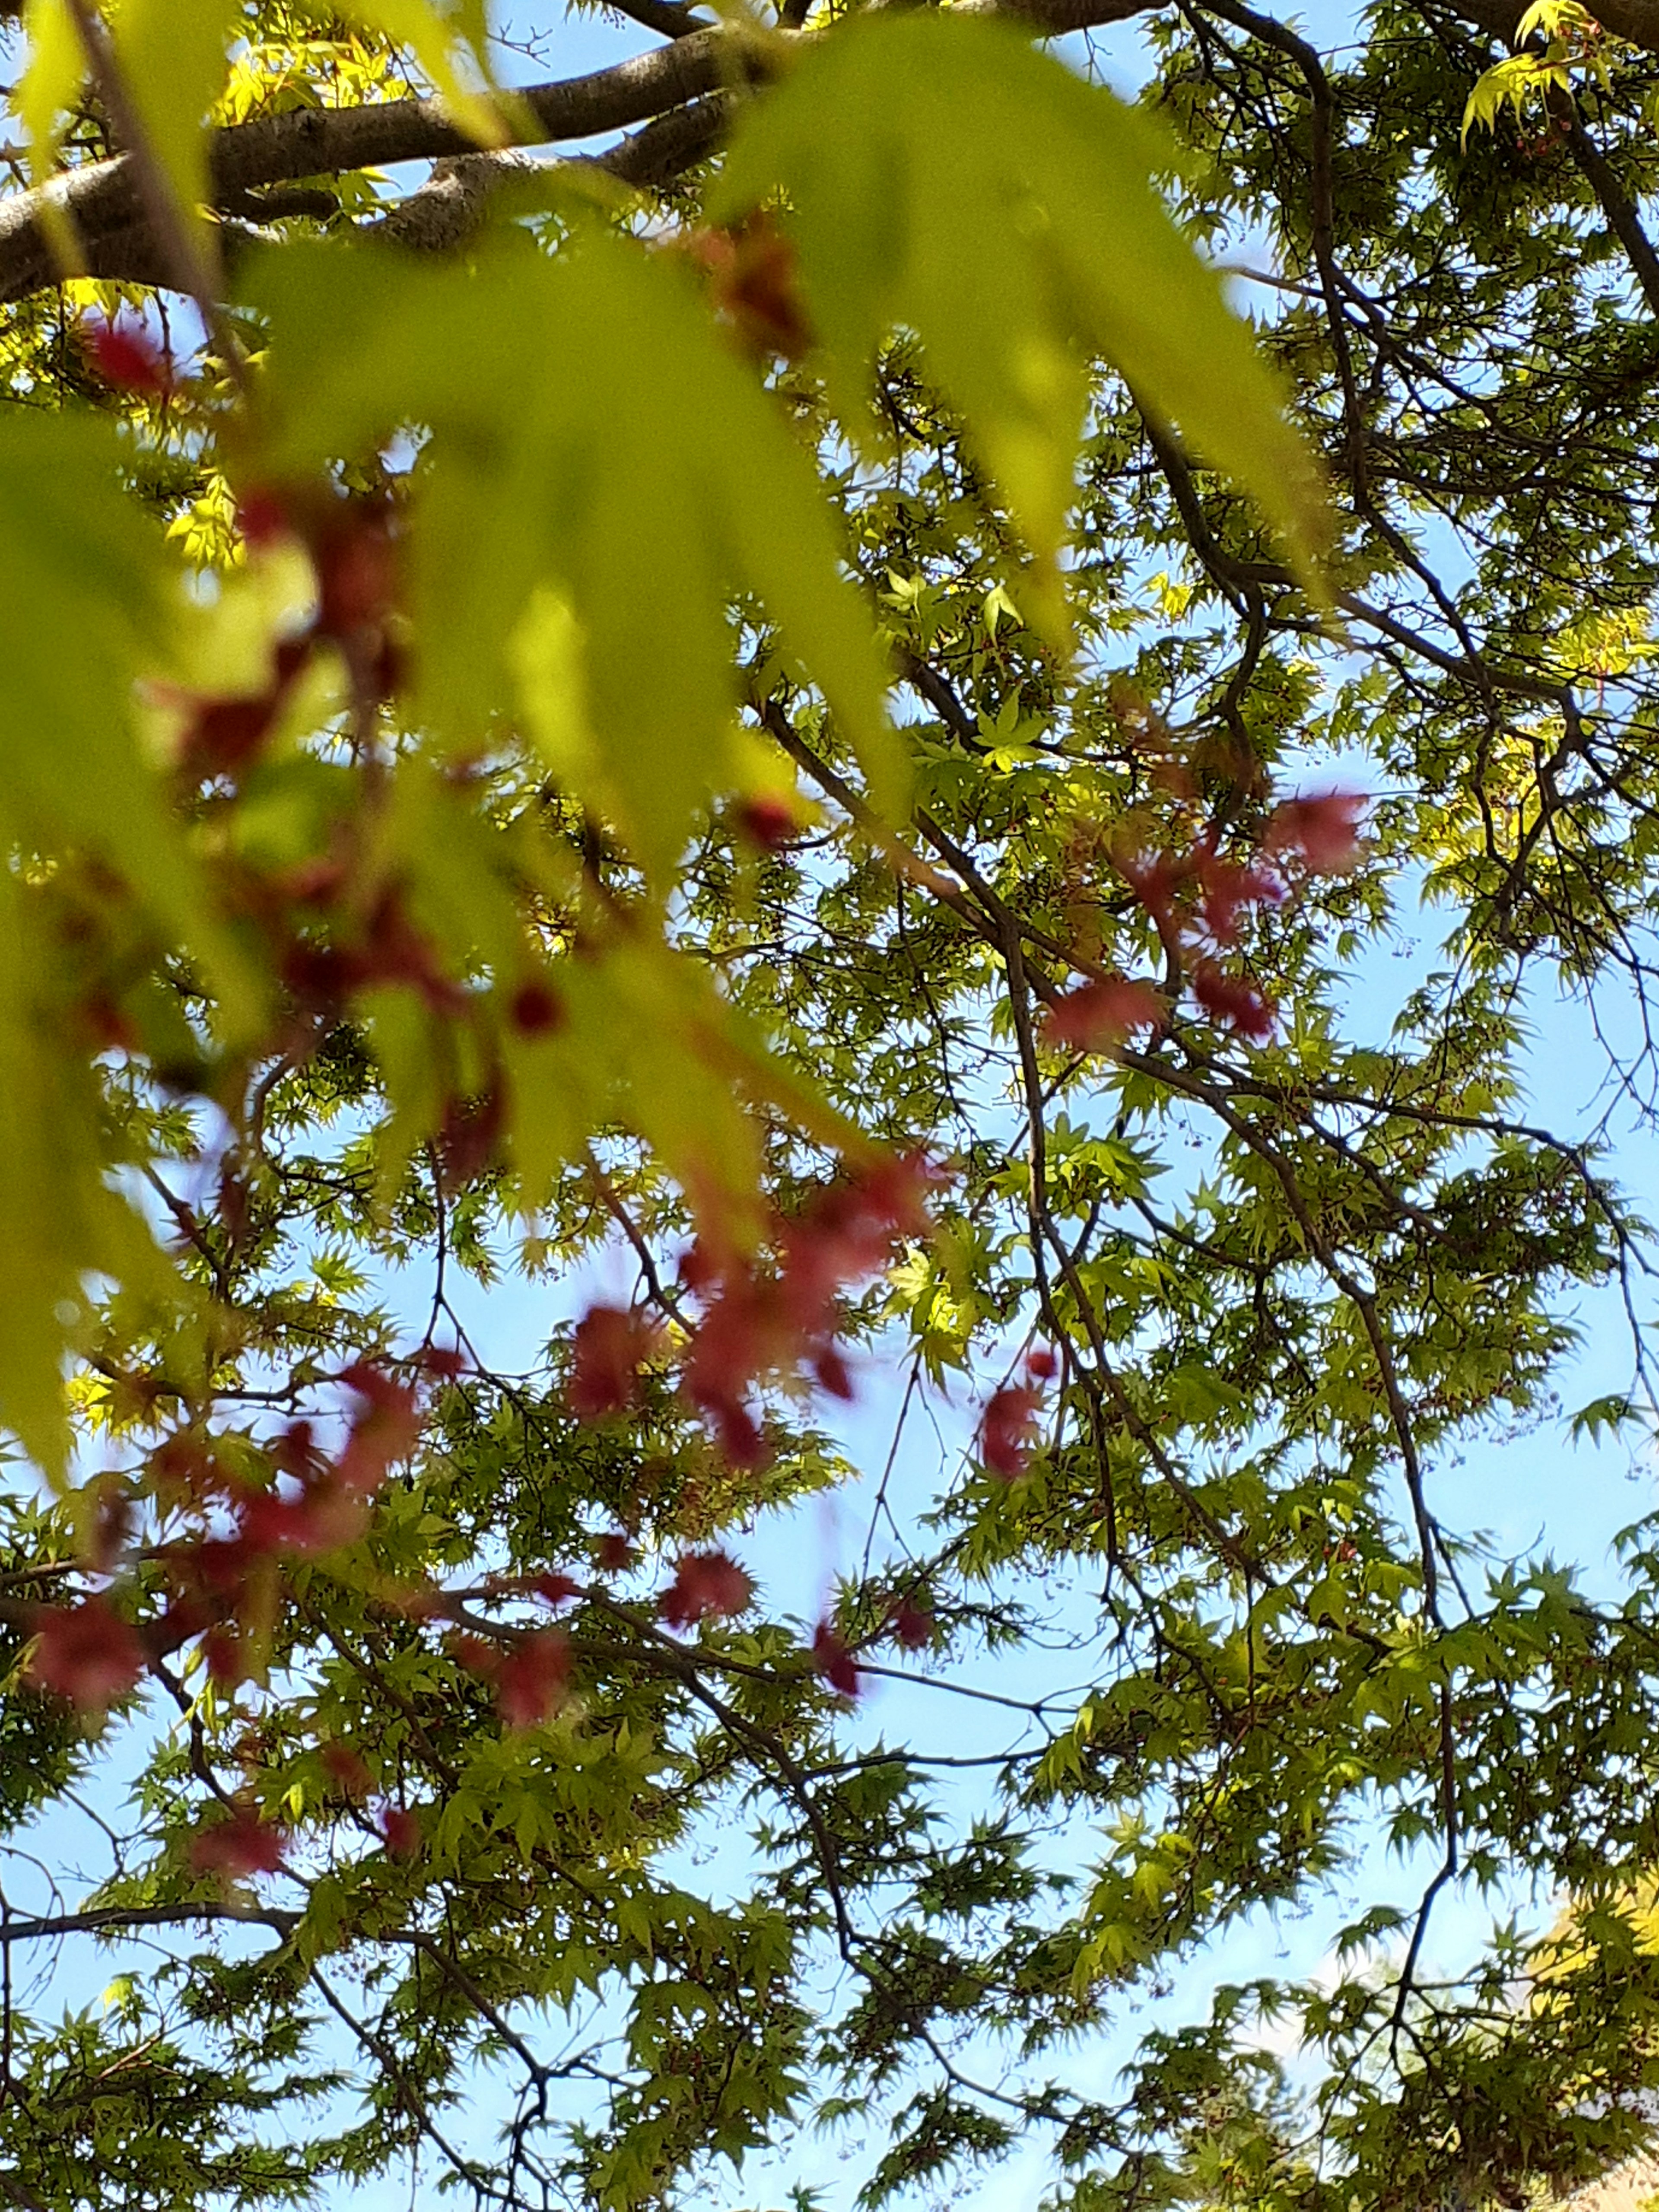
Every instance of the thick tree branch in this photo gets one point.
(103, 201)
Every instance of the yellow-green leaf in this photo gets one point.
(1007, 212)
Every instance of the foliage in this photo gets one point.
(712, 715)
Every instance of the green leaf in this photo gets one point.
(1007, 213)
(51, 78)
(449, 44)
(84, 582)
(603, 478)
(172, 55)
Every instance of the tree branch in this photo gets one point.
(103, 201)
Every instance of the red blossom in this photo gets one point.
(384, 1431)
(536, 1008)
(244, 1845)
(402, 1830)
(706, 1585)
(470, 1132)
(1101, 1014)
(347, 1771)
(1007, 1430)
(1322, 831)
(607, 1352)
(261, 515)
(126, 355)
(86, 1653)
(1227, 887)
(226, 1655)
(1235, 1003)
(530, 1682)
(1041, 1365)
(768, 823)
(443, 1363)
(557, 1589)
(912, 1625)
(833, 1661)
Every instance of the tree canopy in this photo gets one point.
(754, 721)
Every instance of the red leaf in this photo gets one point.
(128, 357)
(244, 1845)
(1007, 1430)
(613, 1552)
(530, 1684)
(1322, 830)
(1041, 1363)
(706, 1585)
(402, 1831)
(607, 1352)
(86, 1653)
(833, 1661)
(1101, 1014)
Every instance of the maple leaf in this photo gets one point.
(86, 1653)
(706, 1585)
